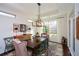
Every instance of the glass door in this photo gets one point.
(53, 30)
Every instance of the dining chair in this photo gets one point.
(20, 48)
(8, 44)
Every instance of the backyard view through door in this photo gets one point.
(53, 31)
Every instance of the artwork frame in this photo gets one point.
(22, 28)
(16, 27)
(77, 27)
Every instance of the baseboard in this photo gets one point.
(71, 52)
(55, 42)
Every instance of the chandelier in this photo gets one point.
(39, 22)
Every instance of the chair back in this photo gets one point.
(8, 44)
(20, 48)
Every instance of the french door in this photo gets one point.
(72, 35)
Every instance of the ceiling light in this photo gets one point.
(39, 22)
(7, 14)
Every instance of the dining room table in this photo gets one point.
(39, 47)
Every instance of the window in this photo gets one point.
(53, 26)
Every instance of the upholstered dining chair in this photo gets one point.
(20, 48)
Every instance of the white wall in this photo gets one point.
(70, 39)
(61, 28)
(37, 29)
(6, 28)
(71, 17)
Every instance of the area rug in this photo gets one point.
(54, 49)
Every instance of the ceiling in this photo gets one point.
(30, 10)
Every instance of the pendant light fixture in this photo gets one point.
(39, 22)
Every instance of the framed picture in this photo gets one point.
(77, 27)
(16, 27)
(22, 28)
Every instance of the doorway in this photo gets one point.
(53, 31)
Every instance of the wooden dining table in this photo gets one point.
(39, 47)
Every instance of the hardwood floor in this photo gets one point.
(55, 49)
